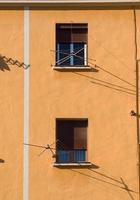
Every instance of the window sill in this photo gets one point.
(74, 68)
(78, 164)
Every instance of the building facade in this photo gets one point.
(69, 100)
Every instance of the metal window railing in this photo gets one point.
(71, 56)
(71, 156)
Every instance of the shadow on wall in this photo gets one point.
(106, 179)
(2, 161)
(3, 65)
(106, 84)
(5, 62)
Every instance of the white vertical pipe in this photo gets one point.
(26, 107)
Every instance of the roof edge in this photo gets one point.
(70, 1)
(73, 4)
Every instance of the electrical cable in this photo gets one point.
(97, 66)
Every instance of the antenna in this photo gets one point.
(47, 147)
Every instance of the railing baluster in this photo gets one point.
(70, 156)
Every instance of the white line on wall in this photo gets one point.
(26, 107)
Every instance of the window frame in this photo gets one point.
(57, 55)
(86, 153)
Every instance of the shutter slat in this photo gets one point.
(67, 33)
(80, 138)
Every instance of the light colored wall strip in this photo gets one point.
(26, 107)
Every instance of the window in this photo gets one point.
(71, 135)
(71, 44)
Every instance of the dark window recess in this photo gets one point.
(71, 44)
(72, 141)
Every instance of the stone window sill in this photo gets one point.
(74, 68)
(78, 164)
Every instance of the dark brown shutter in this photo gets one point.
(72, 134)
(64, 135)
(66, 33)
(63, 36)
(80, 137)
(79, 35)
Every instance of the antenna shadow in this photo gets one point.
(3, 65)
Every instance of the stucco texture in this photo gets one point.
(103, 98)
(11, 105)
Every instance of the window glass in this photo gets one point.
(63, 51)
(79, 50)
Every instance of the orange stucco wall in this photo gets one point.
(102, 98)
(54, 94)
(11, 105)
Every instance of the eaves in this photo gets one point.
(72, 3)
